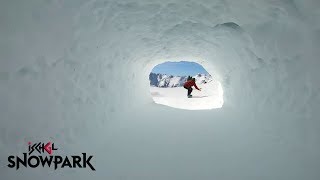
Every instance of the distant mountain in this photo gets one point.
(164, 80)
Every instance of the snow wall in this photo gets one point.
(76, 73)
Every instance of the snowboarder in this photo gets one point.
(188, 85)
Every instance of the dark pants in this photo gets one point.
(189, 90)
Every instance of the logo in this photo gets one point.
(41, 147)
(46, 158)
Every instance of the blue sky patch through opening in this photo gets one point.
(182, 68)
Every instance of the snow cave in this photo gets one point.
(75, 73)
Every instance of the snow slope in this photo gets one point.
(75, 72)
(210, 97)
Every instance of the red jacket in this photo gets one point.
(189, 84)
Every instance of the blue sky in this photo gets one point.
(182, 68)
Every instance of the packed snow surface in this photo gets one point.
(210, 96)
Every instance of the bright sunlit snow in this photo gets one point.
(210, 97)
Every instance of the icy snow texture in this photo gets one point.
(76, 72)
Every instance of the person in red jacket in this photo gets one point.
(188, 85)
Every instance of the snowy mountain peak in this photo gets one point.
(164, 80)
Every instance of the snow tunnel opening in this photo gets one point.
(185, 85)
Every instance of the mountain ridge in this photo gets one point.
(169, 81)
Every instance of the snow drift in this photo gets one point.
(73, 72)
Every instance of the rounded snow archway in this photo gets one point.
(167, 86)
